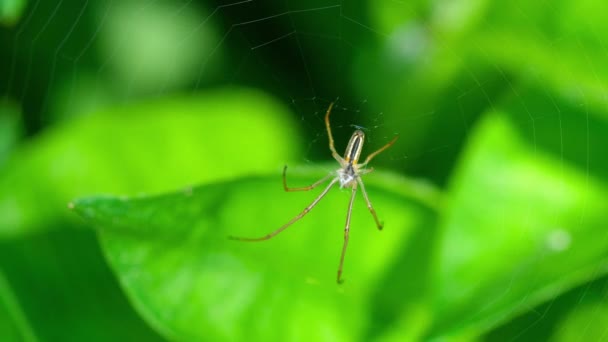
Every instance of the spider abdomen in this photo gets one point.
(354, 147)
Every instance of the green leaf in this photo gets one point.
(173, 256)
(13, 324)
(522, 228)
(143, 148)
(57, 287)
(10, 11)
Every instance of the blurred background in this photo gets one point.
(501, 108)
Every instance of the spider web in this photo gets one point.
(307, 54)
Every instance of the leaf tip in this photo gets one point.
(76, 206)
(85, 207)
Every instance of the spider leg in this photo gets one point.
(346, 232)
(304, 188)
(292, 221)
(369, 205)
(366, 171)
(331, 138)
(380, 150)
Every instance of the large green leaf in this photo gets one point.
(149, 147)
(522, 227)
(191, 282)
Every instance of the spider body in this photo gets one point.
(354, 147)
(349, 172)
(348, 176)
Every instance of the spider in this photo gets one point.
(348, 175)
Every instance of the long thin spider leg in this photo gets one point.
(293, 220)
(331, 138)
(380, 150)
(346, 232)
(369, 205)
(304, 188)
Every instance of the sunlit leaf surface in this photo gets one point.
(173, 256)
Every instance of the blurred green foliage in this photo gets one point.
(113, 152)
(10, 11)
(531, 252)
(170, 122)
(10, 129)
(58, 278)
